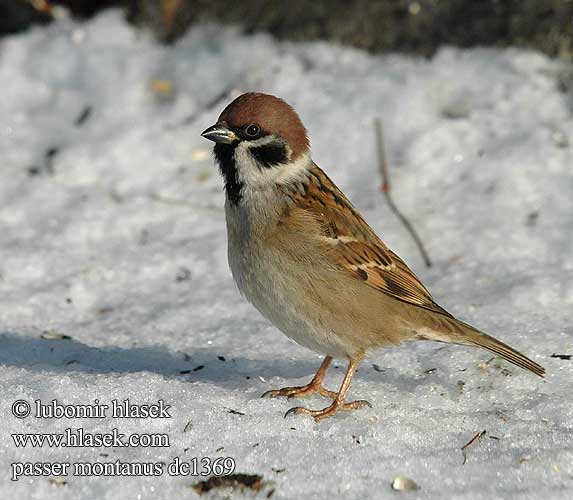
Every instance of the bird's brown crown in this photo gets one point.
(272, 115)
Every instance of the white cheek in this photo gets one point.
(248, 170)
(255, 177)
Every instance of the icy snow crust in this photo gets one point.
(123, 248)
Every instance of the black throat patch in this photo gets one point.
(225, 156)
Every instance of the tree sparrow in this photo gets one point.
(305, 258)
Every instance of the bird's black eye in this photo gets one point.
(252, 130)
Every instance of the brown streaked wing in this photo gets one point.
(355, 247)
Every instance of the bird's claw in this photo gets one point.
(289, 392)
(360, 403)
(329, 410)
(296, 411)
(300, 392)
(270, 394)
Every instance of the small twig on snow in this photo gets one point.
(383, 167)
(477, 437)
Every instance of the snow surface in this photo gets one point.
(118, 240)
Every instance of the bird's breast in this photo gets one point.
(278, 285)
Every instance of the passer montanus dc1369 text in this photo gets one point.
(305, 258)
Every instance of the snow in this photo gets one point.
(117, 240)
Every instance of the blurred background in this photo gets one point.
(384, 25)
(114, 280)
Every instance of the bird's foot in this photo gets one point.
(329, 410)
(300, 392)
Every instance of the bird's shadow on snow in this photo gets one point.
(202, 365)
(70, 355)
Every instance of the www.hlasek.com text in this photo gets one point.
(79, 438)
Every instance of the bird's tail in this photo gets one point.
(467, 335)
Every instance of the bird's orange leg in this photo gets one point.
(338, 403)
(315, 385)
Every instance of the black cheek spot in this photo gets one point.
(270, 155)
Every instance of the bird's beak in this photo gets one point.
(219, 133)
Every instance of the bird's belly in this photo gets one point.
(276, 288)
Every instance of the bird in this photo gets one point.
(302, 254)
